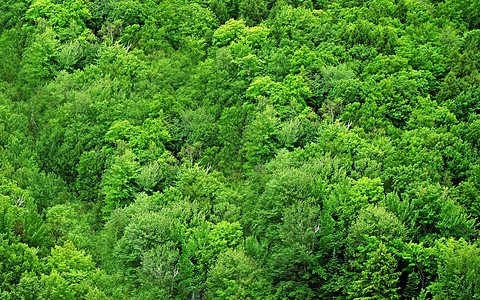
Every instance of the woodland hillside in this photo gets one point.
(239, 149)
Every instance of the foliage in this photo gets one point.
(239, 149)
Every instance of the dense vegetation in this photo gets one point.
(239, 149)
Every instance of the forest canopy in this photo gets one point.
(239, 149)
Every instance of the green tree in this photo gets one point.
(67, 17)
(234, 276)
(39, 60)
(71, 274)
(259, 139)
(421, 267)
(378, 279)
(10, 54)
(363, 192)
(18, 261)
(119, 182)
(89, 169)
(458, 270)
(252, 11)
